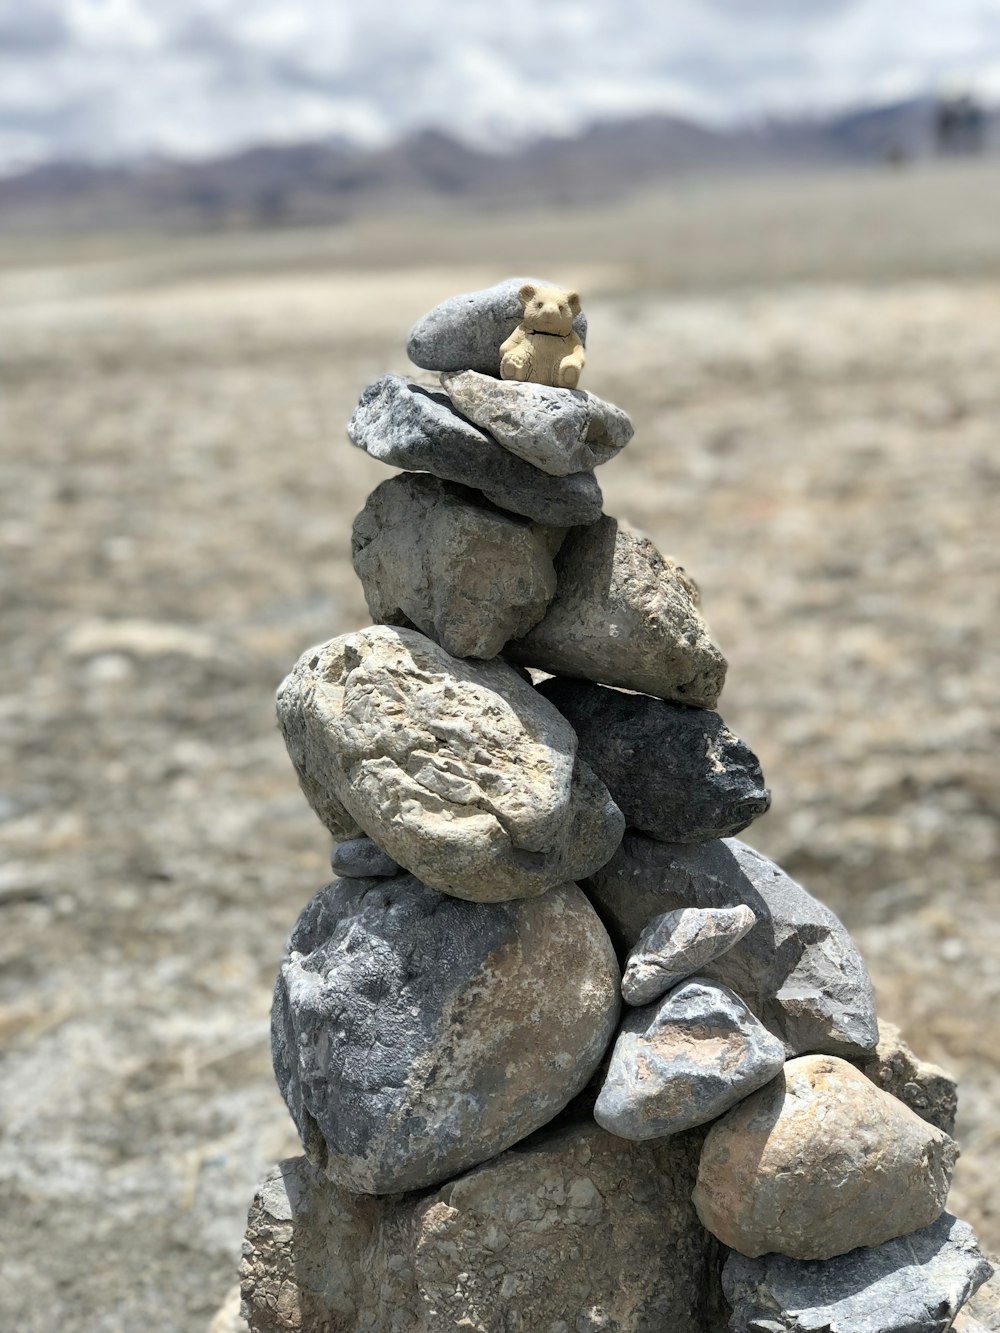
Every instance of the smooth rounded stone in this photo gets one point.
(438, 557)
(574, 1229)
(560, 431)
(678, 774)
(819, 1162)
(414, 428)
(926, 1088)
(797, 969)
(685, 1061)
(624, 615)
(415, 1035)
(466, 332)
(458, 769)
(916, 1284)
(360, 858)
(679, 944)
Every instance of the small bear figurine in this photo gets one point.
(543, 348)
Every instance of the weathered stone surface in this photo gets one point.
(360, 858)
(924, 1087)
(458, 769)
(819, 1162)
(573, 1230)
(560, 431)
(409, 427)
(797, 969)
(439, 557)
(624, 615)
(982, 1314)
(678, 774)
(916, 1284)
(414, 1035)
(685, 1061)
(679, 944)
(465, 332)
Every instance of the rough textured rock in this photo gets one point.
(982, 1314)
(414, 1035)
(624, 615)
(560, 431)
(819, 1162)
(465, 332)
(678, 774)
(685, 1061)
(458, 769)
(438, 557)
(573, 1230)
(679, 944)
(797, 969)
(360, 858)
(916, 1284)
(413, 428)
(924, 1087)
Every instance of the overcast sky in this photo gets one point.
(119, 78)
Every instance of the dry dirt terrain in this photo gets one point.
(813, 368)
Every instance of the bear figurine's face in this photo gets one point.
(549, 310)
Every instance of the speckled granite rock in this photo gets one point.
(360, 858)
(414, 1035)
(925, 1088)
(624, 615)
(465, 332)
(458, 769)
(678, 774)
(679, 944)
(819, 1162)
(560, 431)
(413, 428)
(797, 969)
(916, 1284)
(438, 557)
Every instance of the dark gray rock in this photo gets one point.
(414, 1034)
(916, 1284)
(797, 969)
(677, 774)
(685, 1061)
(360, 858)
(465, 332)
(678, 944)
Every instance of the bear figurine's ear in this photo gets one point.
(526, 293)
(574, 301)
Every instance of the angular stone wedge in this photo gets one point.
(458, 769)
(408, 427)
(414, 1035)
(819, 1162)
(465, 332)
(916, 1284)
(360, 858)
(624, 615)
(685, 1061)
(678, 944)
(439, 557)
(677, 774)
(560, 431)
(797, 969)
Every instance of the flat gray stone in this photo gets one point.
(457, 768)
(677, 774)
(797, 969)
(685, 1061)
(360, 858)
(916, 1284)
(438, 557)
(465, 332)
(558, 430)
(414, 1035)
(624, 615)
(678, 944)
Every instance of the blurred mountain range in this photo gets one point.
(330, 181)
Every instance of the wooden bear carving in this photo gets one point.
(543, 348)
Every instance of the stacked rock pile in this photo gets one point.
(493, 1140)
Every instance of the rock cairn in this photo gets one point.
(493, 1140)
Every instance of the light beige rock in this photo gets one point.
(819, 1162)
(458, 769)
(439, 557)
(925, 1088)
(543, 348)
(624, 615)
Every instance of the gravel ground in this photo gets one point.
(176, 493)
